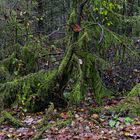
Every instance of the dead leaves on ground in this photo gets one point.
(81, 124)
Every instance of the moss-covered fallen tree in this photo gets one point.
(31, 91)
(79, 67)
(36, 90)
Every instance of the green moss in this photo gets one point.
(10, 119)
(79, 86)
(8, 64)
(29, 58)
(1, 120)
(4, 75)
(26, 88)
(97, 84)
(49, 115)
(66, 60)
(96, 110)
(23, 60)
(72, 18)
(135, 91)
(83, 40)
(75, 95)
(130, 105)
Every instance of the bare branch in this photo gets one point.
(80, 11)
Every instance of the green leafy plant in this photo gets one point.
(114, 121)
(128, 120)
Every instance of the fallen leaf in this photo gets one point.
(64, 115)
(76, 28)
(95, 116)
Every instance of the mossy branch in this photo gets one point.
(10, 119)
(59, 124)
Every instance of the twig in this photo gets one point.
(53, 32)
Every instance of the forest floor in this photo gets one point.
(83, 122)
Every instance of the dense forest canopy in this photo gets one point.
(57, 52)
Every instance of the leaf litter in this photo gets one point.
(84, 124)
